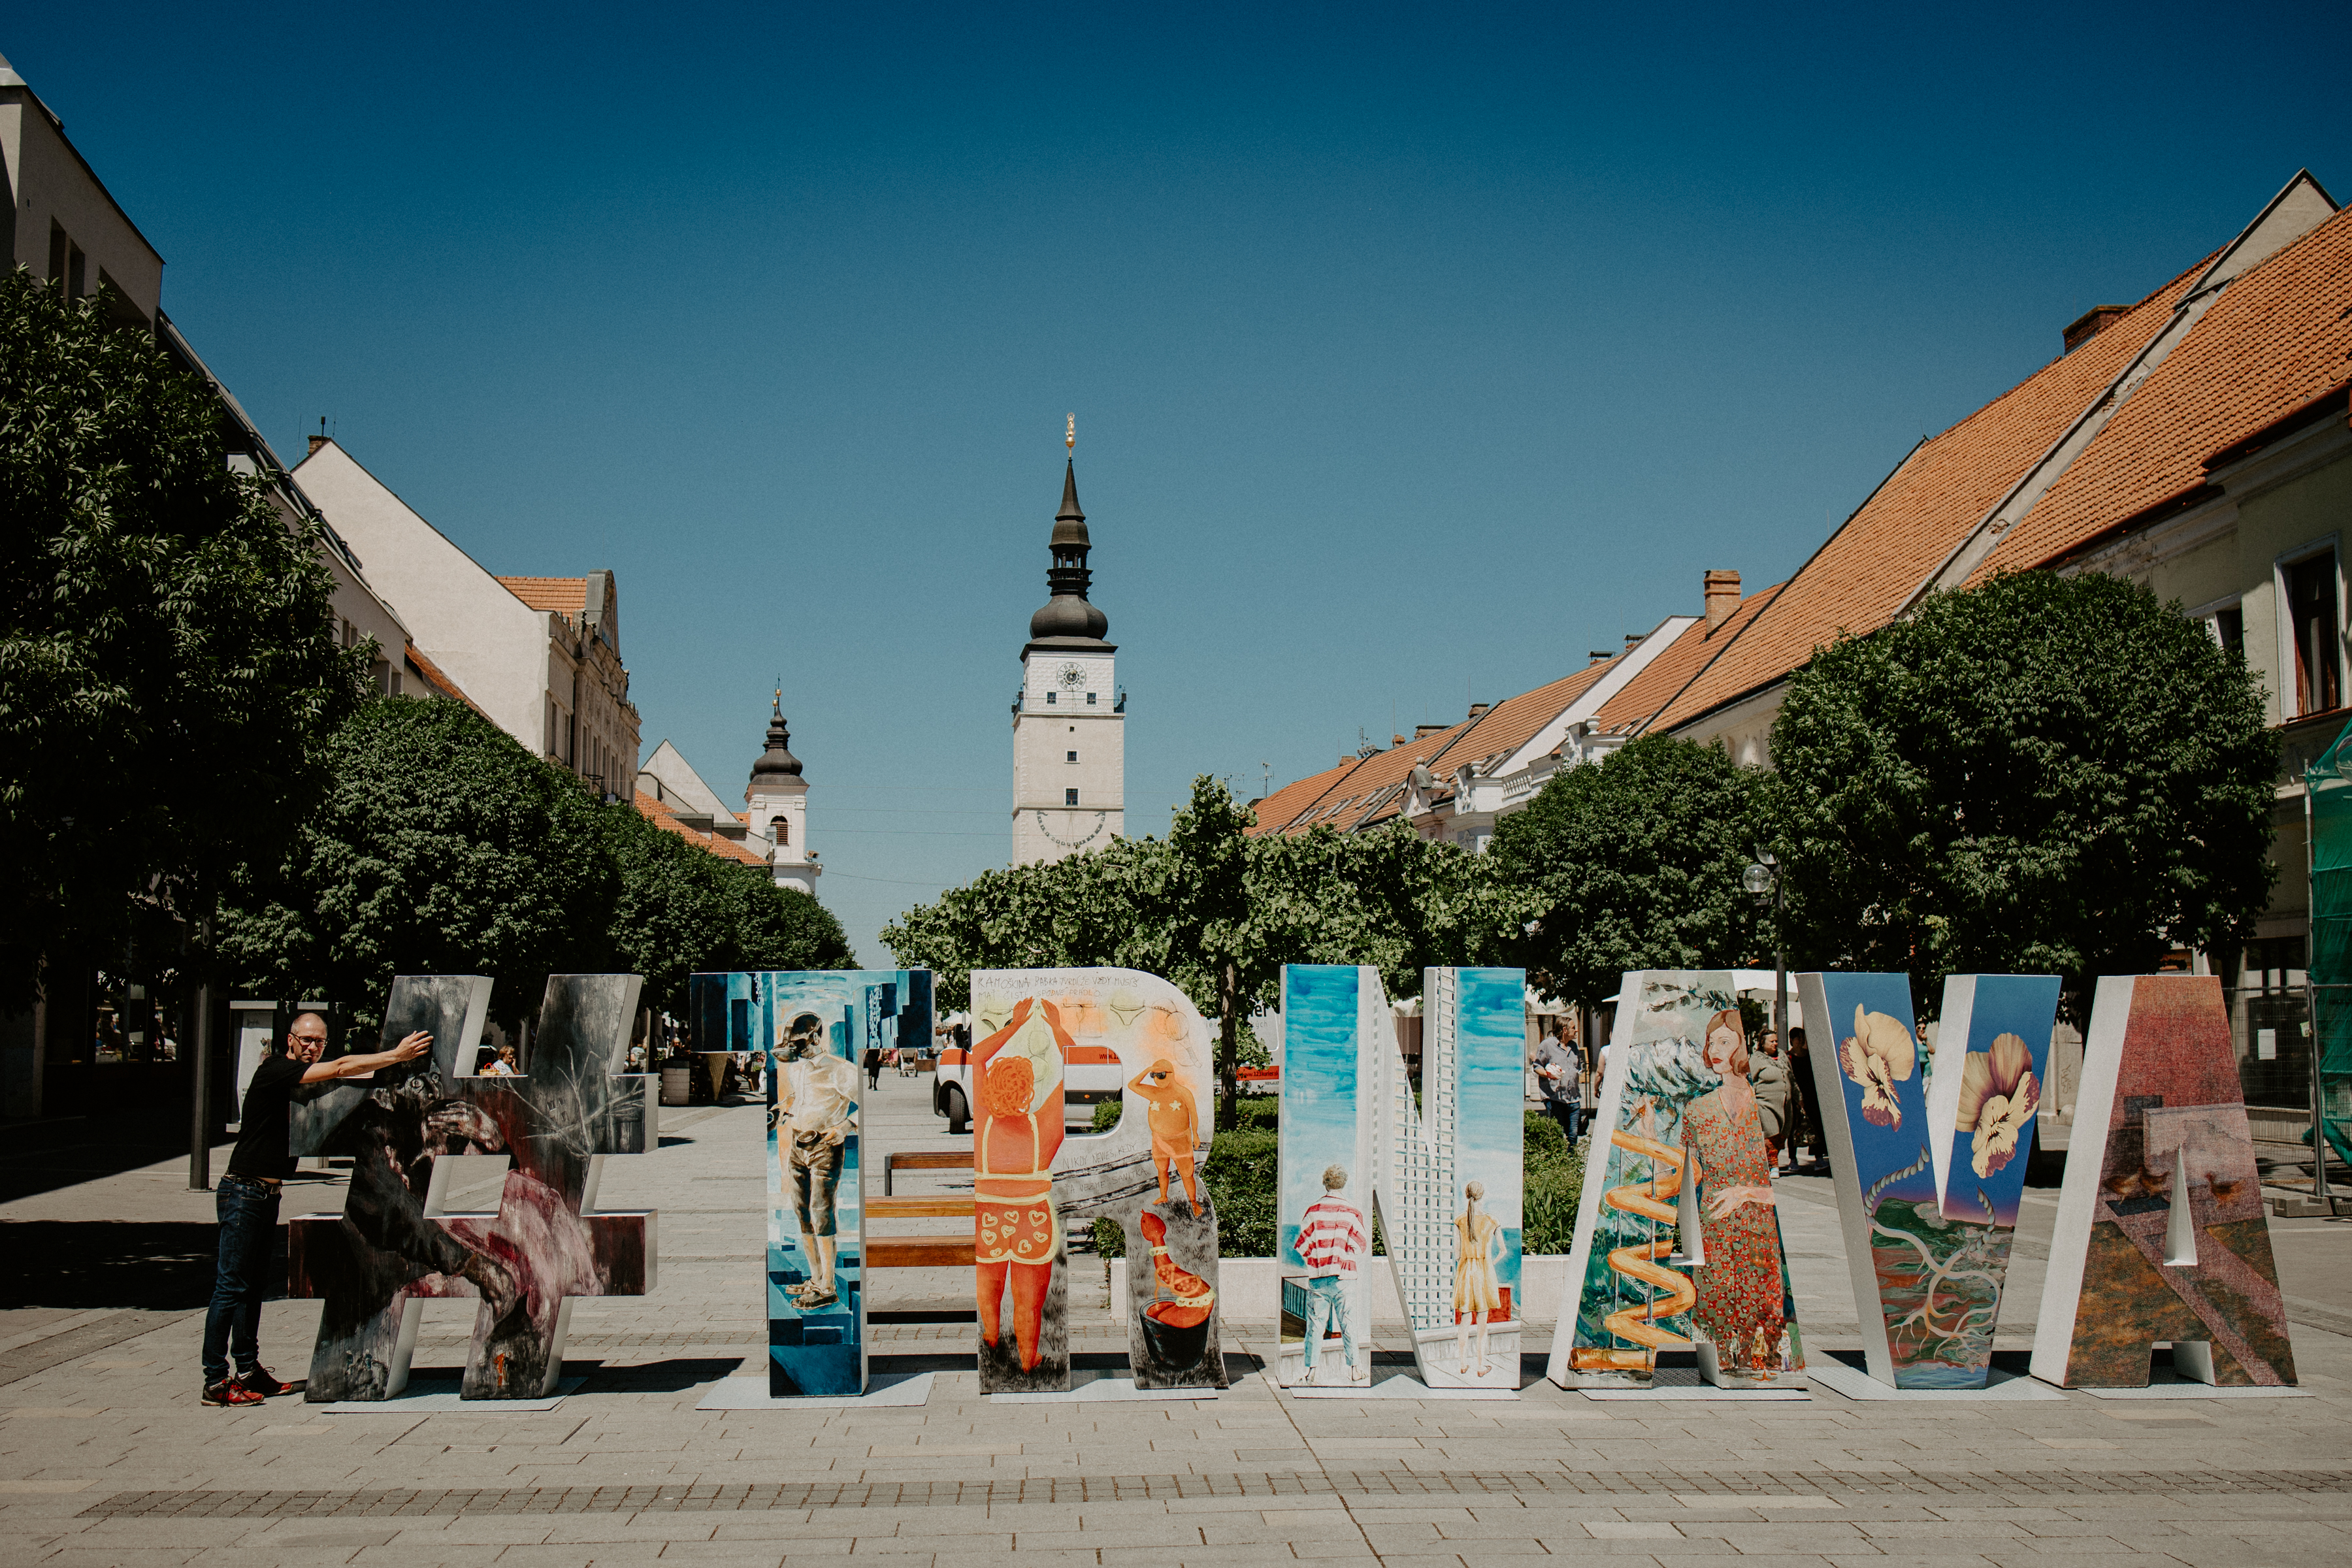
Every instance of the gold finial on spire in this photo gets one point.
(1070, 435)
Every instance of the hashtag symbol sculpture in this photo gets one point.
(544, 1246)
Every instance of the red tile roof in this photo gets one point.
(1678, 664)
(2279, 336)
(564, 595)
(1869, 569)
(662, 816)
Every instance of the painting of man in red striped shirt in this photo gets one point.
(1331, 1241)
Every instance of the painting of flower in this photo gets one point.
(1878, 1055)
(1997, 1098)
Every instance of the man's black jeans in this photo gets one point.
(248, 1233)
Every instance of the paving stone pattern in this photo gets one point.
(105, 1457)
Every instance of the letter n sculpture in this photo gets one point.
(1678, 1243)
(1444, 1176)
(2160, 1232)
(544, 1246)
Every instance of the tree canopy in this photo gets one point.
(167, 670)
(1635, 863)
(2043, 774)
(445, 848)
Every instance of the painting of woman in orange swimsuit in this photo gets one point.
(1017, 1234)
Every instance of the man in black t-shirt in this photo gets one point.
(246, 1202)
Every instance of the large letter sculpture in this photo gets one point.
(1444, 1178)
(1124, 1033)
(392, 1244)
(1929, 1172)
(1677, 1236)
(815, 1027)
(2160, 1232)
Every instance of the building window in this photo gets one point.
(1069, 797)
(2312, 619)
(1090, 698)
(1049, 699)
(780, 831)
(2230, 630)
(1074, 756)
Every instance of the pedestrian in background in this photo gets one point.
(1556, 1073)
(1768, 1076)
(1809, 1095)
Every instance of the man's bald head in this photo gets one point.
(306, 1037)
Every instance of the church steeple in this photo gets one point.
(1067, 620)
(777, 762)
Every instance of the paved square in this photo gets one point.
(106, 1458)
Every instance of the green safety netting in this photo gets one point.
(2329, 779)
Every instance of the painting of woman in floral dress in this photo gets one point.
(1743, 1311)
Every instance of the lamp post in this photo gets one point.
(1762, 881)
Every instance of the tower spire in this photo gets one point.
(1067, 620)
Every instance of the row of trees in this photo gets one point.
(2043, 774)
(443, 846)
(189, 749)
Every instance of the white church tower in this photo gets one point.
(777, 798)
(1069, 746)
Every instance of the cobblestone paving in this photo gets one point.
(107, 1459)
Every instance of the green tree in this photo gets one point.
(1635, 863)
(443, 847)
(2043, 773)
(167, 674)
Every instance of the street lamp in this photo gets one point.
(1762, 882)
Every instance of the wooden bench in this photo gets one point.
(924, 1160)
(920, 1251)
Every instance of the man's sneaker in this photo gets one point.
(229, 1393)
(258, 1380)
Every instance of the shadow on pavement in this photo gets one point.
(158, 1264)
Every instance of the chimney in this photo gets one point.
(1478, 708)
(1722, 590)
(317, 442)
(1396, 739)
(2091, 322)
(1421, 731)
(1347, 757)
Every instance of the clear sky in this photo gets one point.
(1416, 351)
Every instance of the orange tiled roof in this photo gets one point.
(1365, 791)
(2279, 336)
(1678, 664)
(663, 817)
(564, 595)
(1869, 569)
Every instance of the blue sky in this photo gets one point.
(1414, 350)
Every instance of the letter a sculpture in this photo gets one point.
(392, 1245)
(2160, 1232)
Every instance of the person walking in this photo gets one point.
(1809, 1097)
(1768, 1076)
(246, 1202)
(873, 1064)
(1556, 1073)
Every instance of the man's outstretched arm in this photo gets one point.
(409, 1049)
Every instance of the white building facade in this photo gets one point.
(1069, 723)
(540, 655)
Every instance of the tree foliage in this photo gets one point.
(1217, 912)
(167, 670)
(2041, 773)
(1635, 863)
(445, 848)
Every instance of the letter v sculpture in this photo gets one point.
(392, 1246)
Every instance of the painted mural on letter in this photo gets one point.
(1685, 1154)
(2164, 1237)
